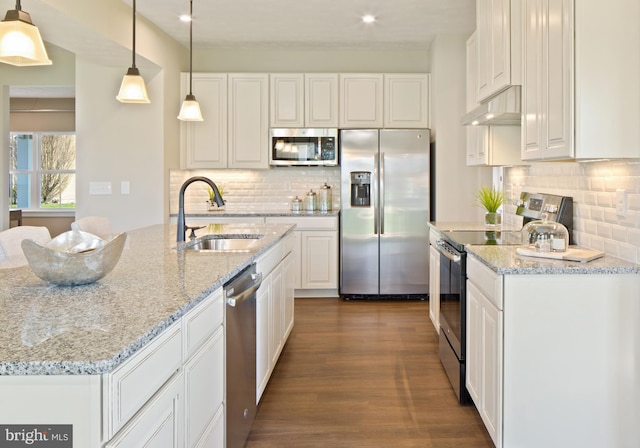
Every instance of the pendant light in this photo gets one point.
(133, 89)
(20, 40)
(190, 110)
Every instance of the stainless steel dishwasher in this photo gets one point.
(240, 298)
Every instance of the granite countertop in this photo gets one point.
(257, 212)
(91, 329)
(505, 260)
(451, 226)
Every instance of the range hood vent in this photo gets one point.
(504, 109)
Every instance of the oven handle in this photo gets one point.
(441, 248)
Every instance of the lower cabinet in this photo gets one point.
(274, 309)
(317, 246)
(434, 288)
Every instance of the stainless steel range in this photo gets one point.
(453, 276)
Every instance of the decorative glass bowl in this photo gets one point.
(74, 257)
(545, 236)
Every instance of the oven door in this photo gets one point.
(453, 297)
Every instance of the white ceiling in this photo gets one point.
(311, 24)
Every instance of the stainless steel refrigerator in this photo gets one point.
(385, 200)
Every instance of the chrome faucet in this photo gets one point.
(181, 226)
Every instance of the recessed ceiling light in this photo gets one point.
(368, 18)
(185, 18)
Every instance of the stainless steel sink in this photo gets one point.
(223, 243)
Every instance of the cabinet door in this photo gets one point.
(204, 143)
(485, 359)
(204, 388)
(276, 315)
(472, 72)
(263, 360)
(248, 120)
(286, 99)
(494, 46)
(434, 288)
(361, 100)
(477, 144)
(532, 88)
(319, 250)
(406, 100)
(321, 100)
(288, 279)
(159, 424)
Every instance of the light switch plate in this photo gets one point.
(99, 188)
(125, 187)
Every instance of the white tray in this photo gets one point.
(571, 254)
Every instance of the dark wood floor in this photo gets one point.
(363, 374)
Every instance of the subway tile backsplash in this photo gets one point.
(593, 186)
(254, 190)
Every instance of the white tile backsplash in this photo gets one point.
(254, 190)
(593, 187)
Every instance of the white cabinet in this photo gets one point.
(286, 99)
(321, 100)
(498, 32)
(203, 372)
(434, 287)
(361, 100)
(234, 133)
(484, 347)
(304, 100)
(406, 100)
(248, 120)
(274, 309)
(204, 143)
(577, 70)
(317, 244)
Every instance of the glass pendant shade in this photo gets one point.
(190, 110)
(133, 88)
(20, 40)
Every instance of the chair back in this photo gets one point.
(11, 254)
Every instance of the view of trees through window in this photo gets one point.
(42, 170)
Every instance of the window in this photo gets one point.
(42, 170)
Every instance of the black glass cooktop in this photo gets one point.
(460, 238)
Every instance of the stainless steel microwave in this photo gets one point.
(304, 147)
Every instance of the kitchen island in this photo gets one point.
(62, 348)
(553, 349)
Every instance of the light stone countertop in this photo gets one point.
(258, 212)
(505, 260)
(451, 226)
(91, 329)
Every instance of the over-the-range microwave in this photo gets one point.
(304, 147)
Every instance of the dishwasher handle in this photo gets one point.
(234, 298)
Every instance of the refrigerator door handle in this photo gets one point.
(381, 198)
(375, 194)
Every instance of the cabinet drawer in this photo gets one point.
(201, 322)
(486, 281)
(270, 260)
(307, 223)
(132, 384)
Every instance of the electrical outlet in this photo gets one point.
(621, 203)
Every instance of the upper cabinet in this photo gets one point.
(361, 100)
(581, 71)
(498, 33)
(234, 133)
(373, 100)
(304, 100)
(406, 100)
(204, 143)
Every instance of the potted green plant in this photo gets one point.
(491, 199)
(212, 203)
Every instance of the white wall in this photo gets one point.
(455, 183)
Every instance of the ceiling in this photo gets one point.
(311, 24)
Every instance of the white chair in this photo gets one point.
(96, 225)
(11, 254)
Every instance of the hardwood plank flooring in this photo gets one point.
(363, 374)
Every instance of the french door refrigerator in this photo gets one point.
(385, 200)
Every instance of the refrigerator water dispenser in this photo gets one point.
(360, 189)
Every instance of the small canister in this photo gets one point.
(325, 198)
(296, 204)
(310, 203)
